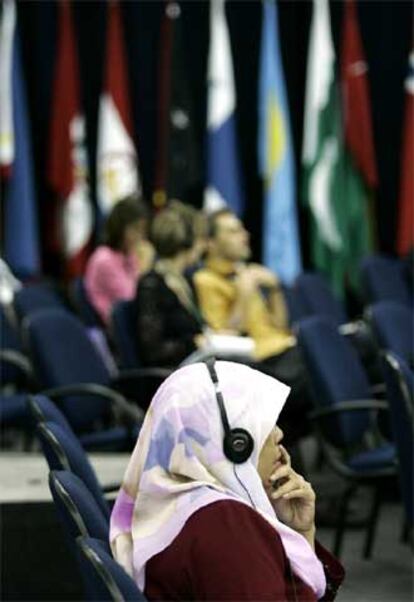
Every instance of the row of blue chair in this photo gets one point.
(81, 507)
(382, 279)
(87, 533)
(347, 418)
(68, 367)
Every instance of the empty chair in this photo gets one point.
(296, 305)
(123, 329)
(33, 297)
(392, 324)
(318, 299)
(63, 452)
(383, 279)
(42, 409)
(78, 512)
(77, 361)
(71, 371)
(346, 418)
(399, 379)
(105, 578)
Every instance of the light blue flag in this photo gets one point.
(21, 243)
(223, 170)
(281, 251)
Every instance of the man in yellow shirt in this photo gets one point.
(245, 298)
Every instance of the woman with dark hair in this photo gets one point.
(112, 271)
(169, 325)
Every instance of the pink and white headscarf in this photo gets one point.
(178, 466)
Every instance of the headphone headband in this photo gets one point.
(238, 443)
(210, 363)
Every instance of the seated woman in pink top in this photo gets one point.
(112, 271)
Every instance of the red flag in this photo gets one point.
(356, 98)
(405, 235)
(117, 162)
(68, 170)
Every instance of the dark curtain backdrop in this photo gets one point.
(386, 28)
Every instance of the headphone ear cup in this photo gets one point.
(238, 445)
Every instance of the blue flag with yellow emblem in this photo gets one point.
(281, 251)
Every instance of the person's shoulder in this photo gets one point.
(103, 255)
(151, 280)
(228, 511)
(230, 520)
(205, 276)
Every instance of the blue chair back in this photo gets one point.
(34, 297)
(42, 409)
(336, 374)
(64, 452)
(318, 298)
(62, 354)
(106, 579)
(76, 507)
(296, 306)
(383, 279)
(9, 336)
(393, 327)
(124, 329)
(84, 307)
(399, 379)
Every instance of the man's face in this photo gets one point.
(231, 241)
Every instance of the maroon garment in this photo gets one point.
(227, 551)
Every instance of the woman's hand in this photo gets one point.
(293, 499)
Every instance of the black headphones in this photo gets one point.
(238, 443)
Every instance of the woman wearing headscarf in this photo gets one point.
(191, 524)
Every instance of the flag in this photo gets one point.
(223, 171)
(177, 171)
(68, 164)
(339, 169)
(359, 163)
(281, 251)
(117, 162)
(21, 242)
(7, 42)
(405, 233)
(322, 142)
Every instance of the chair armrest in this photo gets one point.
(378, 389)
(140, 384)
(199, 355)
(349, 406)
(139, 373)
(17, 359)
(350, 328)
(130, 411)
(202, 355)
